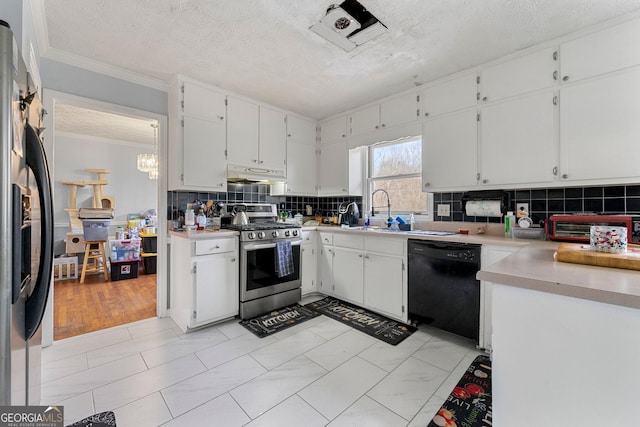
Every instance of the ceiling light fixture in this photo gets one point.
(148, 162)
(348, 25)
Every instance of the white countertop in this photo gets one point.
(533, 267)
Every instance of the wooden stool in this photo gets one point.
(95, 259)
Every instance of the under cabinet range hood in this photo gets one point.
(237, 173)
(348, 25)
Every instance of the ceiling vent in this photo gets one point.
(348, 25)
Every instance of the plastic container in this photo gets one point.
(189, 217)
(123, 270)
(150, 262)
(125, 250)
(149, 243)
(96, 230)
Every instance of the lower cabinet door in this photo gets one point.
(384, 284)
(216, 288)
(347, 274)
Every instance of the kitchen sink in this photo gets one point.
(413, 232)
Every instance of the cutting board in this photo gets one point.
(581, 254)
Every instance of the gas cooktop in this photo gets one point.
(260, 226)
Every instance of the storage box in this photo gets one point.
(150, 262)
(74, 243)
(96, 230)
(123, 270)
(149, 243)
(65, 268)
(125, 250)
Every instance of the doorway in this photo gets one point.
(89, 135)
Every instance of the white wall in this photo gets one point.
(133, 190)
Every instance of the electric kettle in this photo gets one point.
(240, 215)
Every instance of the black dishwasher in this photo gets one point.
(443, 289)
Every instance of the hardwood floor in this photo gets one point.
(98, 304)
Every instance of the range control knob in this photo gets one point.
(287, 233)
(260, 234)
(274, 234)
(295, 233)
(251, 235)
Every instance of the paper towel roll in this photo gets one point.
(483, 208)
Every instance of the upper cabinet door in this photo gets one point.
(399, 110)
(599, 128)
(521, 75)
(273, 138)
(200, 101)
(450, 151)
(242, 132)
(301, 130)
(204, 165)
(365, 120)
(598, 53)
(519, 140)
(449, 96)
(333, 130)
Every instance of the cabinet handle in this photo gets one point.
(359, 255)
(485, 99)
(233, 260)
(221, 117)
(254, 160)
(288, 189)
(555, 171)
(555, 55)
(261, 161)
(427, 184)
(555, 100)
(565, 176)
(555, 75)
(426, 114)
(344, 190)
(344, 135)
(366, 256)
(289, 135)
(377, 127)
(221, 185)
(565, 78)
(383, 125)
(485, 181)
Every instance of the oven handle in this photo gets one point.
(256, 246)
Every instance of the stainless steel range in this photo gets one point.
(269, 260)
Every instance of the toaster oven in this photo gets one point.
(577, 228)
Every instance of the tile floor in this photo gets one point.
(318, 373)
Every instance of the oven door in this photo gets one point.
(258, 277)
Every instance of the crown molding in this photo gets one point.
(39, 24)
(75, 60)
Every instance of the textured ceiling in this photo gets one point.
(264, 49)
(83, 121)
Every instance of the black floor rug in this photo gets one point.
(103, 419)
(383, 328)
(278, 320)
(469, 403)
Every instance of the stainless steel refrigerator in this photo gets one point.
(26, 228)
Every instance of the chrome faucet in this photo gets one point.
(388, 203)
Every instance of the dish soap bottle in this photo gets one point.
(412, 222)
(509, 223)
(202, 219)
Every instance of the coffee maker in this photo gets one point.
(349, 213)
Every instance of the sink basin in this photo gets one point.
(430, 233)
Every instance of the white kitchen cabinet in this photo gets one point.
(385, 283)
(198, 100)
(301, 130)
(256, 135)
(334, 169)
(391, 112)
(333, 130)
(528, 73)
(519, 140)
(370, 272)
(490, 255)
(204, 165)
(599, 128)
(197, 138)
(450, 151)
(309, 262)
(273, 139)
(452, 95)
(602, 52)
(204, 278)
(302, 160)
(325, 263)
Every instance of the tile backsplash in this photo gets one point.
(622, 199)
(257, 193)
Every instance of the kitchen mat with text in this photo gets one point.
(469, 403)
(385, 329)
(277, 320)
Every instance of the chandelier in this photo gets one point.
(148, 162)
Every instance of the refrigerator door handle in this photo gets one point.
(36, 159)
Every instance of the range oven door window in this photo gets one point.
(260, 266)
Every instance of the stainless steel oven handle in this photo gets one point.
(256, 246)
